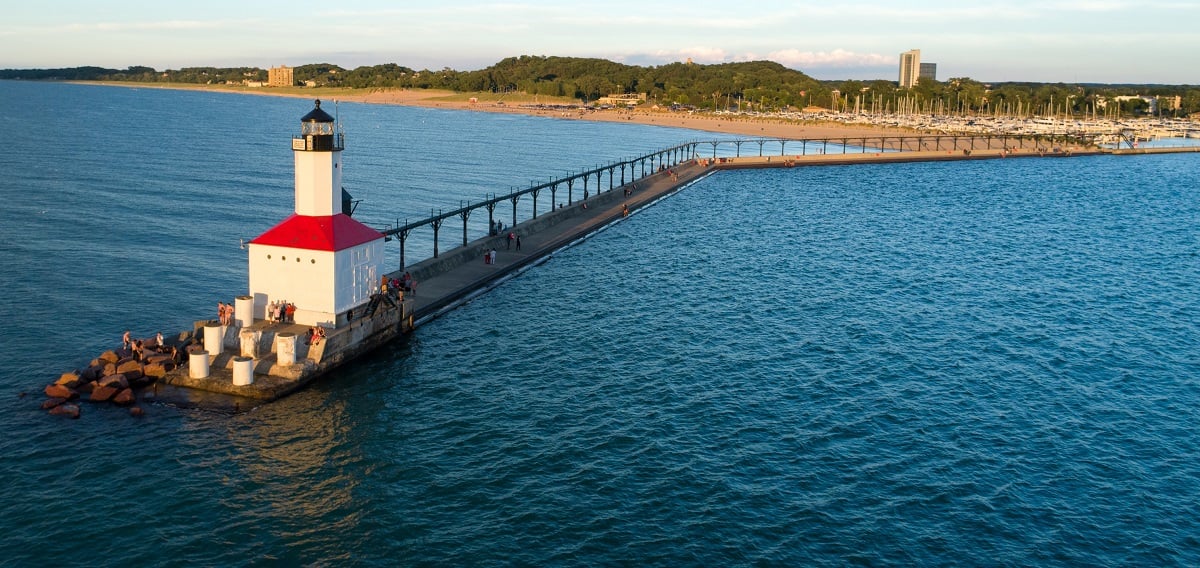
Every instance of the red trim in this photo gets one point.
(333, 233)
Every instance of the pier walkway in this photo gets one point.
(456, 275)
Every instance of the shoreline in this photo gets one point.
(447, 100)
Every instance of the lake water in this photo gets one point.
(990, 362)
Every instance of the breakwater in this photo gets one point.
(246, 360)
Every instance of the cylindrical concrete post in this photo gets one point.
(214, 338)
(243, 310)
(243, 371)
(285, 348)
(198, 364)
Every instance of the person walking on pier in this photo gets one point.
(511, 236)
(518, 242)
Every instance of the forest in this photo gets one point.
(748, 86)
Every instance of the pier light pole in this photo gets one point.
(465, 213)
(491, 207)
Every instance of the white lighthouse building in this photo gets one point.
(319, 258)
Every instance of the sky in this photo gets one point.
(1069, 41)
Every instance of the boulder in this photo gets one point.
(102, 393)
(52, 402)
(86, 387)
(109, 357)
(92, 373)
(124, 397)
(136, 411)
(109, 369)
(60, 391)
(70, 410)
(117, 381)
(160, 369)
(69, 380)
(129, 367)
(96, 363)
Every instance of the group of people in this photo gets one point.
(225, 313)
(496, 227)
(281, 311)
(514, 238)
(138, 348)
(489, 256)
(315, 334)
(397, 287)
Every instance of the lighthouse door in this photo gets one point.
(365, 277)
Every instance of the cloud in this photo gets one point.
(836, 58)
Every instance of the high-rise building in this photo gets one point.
(929, 71)
(281, 76)
(910, 68)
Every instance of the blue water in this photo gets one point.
(921, 364)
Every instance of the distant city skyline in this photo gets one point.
(1071, 41)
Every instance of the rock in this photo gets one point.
(159, 369)
(124, 397)
(109, 356)
(60, 391)
(71, 410)
(86, 387)
(117, 381)
(92, 373)
(131, 369)
(52, 402)
(96, 363)
(102, 393)
(69, 380)
(137, 412)
(109, 369)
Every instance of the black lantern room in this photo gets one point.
(317, 132)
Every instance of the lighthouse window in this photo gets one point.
(283, 257)
(268, 257)
(314, 261)
(297, 259)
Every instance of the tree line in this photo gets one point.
(747, 86)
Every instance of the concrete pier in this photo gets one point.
(281, 363)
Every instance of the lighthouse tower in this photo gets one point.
(319, 258)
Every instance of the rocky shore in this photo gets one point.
(115, 377)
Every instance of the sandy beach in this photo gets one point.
(770, 128)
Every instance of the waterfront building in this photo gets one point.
(281, 76)
(928, 71)
(319, 258)
(910, 68)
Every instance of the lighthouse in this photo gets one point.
(319, 258)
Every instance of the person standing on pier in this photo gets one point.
(511, 237)
(126, 341)
(518, 242)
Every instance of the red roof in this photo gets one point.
(332, 233)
